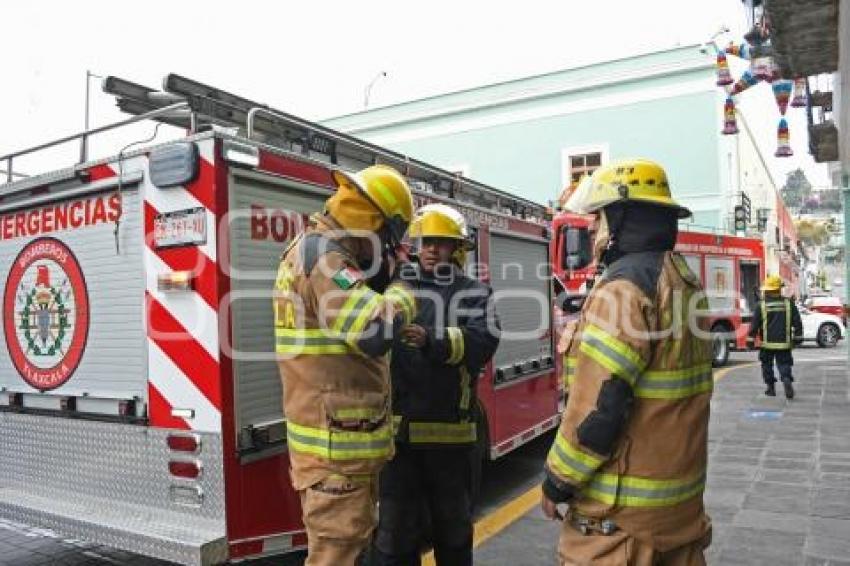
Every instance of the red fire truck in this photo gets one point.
(730, 268)
(140, 402)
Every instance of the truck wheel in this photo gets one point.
(479, 453)
(719, 346)
(828, 334)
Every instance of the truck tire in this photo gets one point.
(480, 452)
(719, 345)
(828, 334)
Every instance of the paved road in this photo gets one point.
(778, 477)
(758, 480)
(24, 546)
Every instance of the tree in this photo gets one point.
(797, 189)
(812, 233)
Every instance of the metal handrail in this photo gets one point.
(401, 159)
(83, 136)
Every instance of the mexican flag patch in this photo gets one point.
(346, 277)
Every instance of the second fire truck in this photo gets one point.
(729, 267)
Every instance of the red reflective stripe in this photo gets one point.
(102, 171)
(186, 353)
(186, 258)
(203, 188)
(159, 411)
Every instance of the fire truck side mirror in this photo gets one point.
(577, 248)
(569, 303)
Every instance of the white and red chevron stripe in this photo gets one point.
(184, 389)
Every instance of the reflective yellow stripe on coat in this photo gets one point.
(340, 445)
(457, 349)
(662, 384)
(403, 298)
(631, 491)
(786, 308)
(612, 354)
(441, 433)
(308, 342)
(567, 460)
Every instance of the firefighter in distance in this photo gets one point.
(630, 454)
(434, 377)
(777, 322)
(334, 327)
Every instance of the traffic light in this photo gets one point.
(740, 219)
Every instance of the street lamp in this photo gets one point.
(84, 142)
(368, 88)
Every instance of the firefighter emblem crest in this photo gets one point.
(46, 313)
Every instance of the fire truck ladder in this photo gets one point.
(208, 107)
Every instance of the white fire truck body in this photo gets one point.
(140, 401)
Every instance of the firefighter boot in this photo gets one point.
(789, 388)
(771, 390)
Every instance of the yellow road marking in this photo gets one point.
(721, 373)
(492, 524)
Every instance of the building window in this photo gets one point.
(584, 164)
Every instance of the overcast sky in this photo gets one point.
(314, 59)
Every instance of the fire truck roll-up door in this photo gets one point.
(266, 213)
(74, 303)
(519, 275)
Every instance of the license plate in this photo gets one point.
(180, 228)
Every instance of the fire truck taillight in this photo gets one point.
(176, 281)
(185, 469)
(184, 442)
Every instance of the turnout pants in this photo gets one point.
(418, 484)
(784, 362)
(339, 516)
(621, 549)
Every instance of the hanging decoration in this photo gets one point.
(782, 94)
(724, 77)
(783, 140)
(756, 49)
(741, 50)
(747, 80)
(799, 100)
(730, 124)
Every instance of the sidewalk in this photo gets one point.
(779, 474)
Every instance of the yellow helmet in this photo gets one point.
(442, 221)
(772, 283)
(378, 188)
(638, 180)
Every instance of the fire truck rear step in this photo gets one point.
(153, 532)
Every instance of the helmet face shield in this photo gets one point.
(581, 201)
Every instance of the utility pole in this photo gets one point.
(845, 189)
(84, 142)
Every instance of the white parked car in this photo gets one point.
(824, 329)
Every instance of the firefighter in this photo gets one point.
(434, 376)
(777, 320)
(630, 455)
(332, 334)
